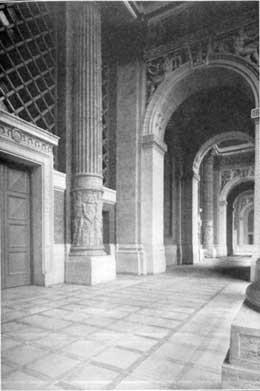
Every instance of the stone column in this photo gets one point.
(253, 291)
(195, 219)
(130, 108)
(152, 201)
(88, 263)
(222, 229)
(208, 206)
(189, 187)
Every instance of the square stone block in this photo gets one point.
(117, 357)
(19, 380)
(90, 377)
(84, 349)
(90, 270)
(23, 354)
(54, 365)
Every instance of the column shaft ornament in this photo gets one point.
(87, 131)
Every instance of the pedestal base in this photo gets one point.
(130, 259)
(241, 368)
(90, 270)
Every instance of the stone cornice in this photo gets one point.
(24, 133)
(150, 140)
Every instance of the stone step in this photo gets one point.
(236, 377)
(245, 339)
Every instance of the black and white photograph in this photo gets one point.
(130, 195)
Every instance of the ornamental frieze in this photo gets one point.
(20, 137)
(230, 174)
(242, 42)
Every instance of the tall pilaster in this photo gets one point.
(87, 253)
(208, 206)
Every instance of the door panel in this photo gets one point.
(15, 244)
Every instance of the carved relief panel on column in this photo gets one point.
(87, 218)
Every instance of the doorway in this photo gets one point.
(15, 200)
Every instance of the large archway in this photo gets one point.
(178, 86)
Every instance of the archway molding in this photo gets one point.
(220, 70)
(226, 136)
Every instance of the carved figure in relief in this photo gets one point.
(226, 176)
(84, 213)
(87, 219)
(246, 46)
(77, 219)
(155, 76)
(98, 224)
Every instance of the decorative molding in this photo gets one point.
(28, 135)
(230, 174)
(255, 113)
(22, 138)
(241, 42)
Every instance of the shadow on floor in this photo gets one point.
(236, 267)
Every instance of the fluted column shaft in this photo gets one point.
(87, 130)
(208, 211)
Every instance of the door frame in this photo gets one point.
(26, 144)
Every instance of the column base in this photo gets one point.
(187, 254)
(221, 250)
(155, 259)
(90, 269)
(210, 252)
(130, 260)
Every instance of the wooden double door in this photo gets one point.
(15, 225)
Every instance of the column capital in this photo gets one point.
(255, 113)
(150, 140)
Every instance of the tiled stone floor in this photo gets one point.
(169, 331)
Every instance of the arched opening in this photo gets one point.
(235, 197)
(243, 222)
(192, 107)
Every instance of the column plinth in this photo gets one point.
(88, 263)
